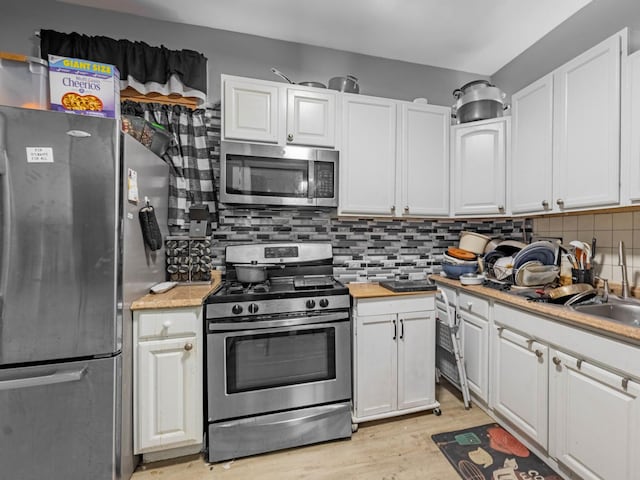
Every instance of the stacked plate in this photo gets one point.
(543, 252)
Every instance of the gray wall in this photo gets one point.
(595, 22)
(231, 53)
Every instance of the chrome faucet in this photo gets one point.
(605, 289)
(623, 264)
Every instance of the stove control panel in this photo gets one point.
(275, 306)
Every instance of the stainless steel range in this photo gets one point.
(278, 352)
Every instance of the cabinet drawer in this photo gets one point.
(169, 322)
(399, 304)
(470, 303)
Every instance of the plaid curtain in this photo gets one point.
(191, 178)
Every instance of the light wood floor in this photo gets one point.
(395, 449)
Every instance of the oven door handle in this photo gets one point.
(285, 322)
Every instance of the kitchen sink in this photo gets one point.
(625, 313)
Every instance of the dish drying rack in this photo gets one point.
(449, 358)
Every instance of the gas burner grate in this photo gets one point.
(236, 288)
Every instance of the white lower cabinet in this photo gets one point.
(475, 343)
(168, 379)
(595, 419)
(519, 383)
(573, 393)
(394, 356)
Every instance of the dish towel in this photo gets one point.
(150, 229)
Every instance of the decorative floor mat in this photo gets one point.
(489, 452)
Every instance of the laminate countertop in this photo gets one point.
(373, 290)
(554, 312)
(180, 295)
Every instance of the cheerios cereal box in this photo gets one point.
(84, 87)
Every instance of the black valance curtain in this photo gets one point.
(145, 64)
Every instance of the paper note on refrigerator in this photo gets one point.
(132, 185)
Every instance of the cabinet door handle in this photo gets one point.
(188, 346)
(469, 305)
(538, 353)
(560, 202)
(166, 324)
(545, 204)
(556, 361)
(393, 209)
(579, 363)
(406, 209)
(290, 137)
(401, 329)
(500, 329)
(625, 383)
(501, 208)
(395, 330)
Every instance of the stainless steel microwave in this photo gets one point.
(274, 175)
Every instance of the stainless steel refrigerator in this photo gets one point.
(72, 259)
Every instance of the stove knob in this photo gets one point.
(324, 303)
(311, 303)
(253, 308)
(237, 309)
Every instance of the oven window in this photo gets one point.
(265, 176)
(269, 360)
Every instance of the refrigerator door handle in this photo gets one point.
(5, 211)
(41, 380)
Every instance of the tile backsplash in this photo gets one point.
(363, 248)
(608, 229)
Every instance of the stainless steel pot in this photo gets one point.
(347, 84)
(254, 272)
(478, 100)
(304, 84)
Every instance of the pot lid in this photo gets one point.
(471, 85)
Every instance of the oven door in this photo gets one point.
(264, 370)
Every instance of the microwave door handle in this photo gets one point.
(311, 190)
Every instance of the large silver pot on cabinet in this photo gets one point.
(478, 100)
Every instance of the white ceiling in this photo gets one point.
(468, 35)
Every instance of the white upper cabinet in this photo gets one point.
(271, 112)
(632, 127)
(479, 162)
(566, 135)
(423, 166)
(587, 127)
(367, 156)
(394, 158)
(311, 117)
(532, 147)
(251, 111)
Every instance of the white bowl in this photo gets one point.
(473, 242)
(471, 279)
